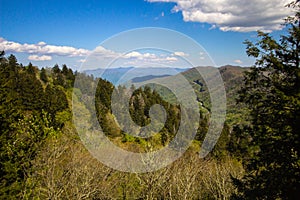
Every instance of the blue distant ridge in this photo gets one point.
(124, 74)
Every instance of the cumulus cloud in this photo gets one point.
(180, 53)
(44, 52)
(39, 58)
(150, 57)
(133, 54)
(172, 59)
(100, 51)
(234, 15)
(140, 56)
(41, 43)
(42, 48)
(238, 61)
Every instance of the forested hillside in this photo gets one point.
(233, 77)
(41, 153)
(256, 157)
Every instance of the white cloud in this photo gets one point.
(105, 53)
(234, 15)
(238, 61)
(44, 52)
(42, 48)
(151, 57)
(41, 43)
(169, 58)
(133, 54)
(39, 58)
(180, 53)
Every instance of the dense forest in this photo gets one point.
(42, 155)
(256, 156)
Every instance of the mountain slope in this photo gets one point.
(232, 77)
(233, 80)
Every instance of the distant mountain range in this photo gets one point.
(146, 78)
(124, 74)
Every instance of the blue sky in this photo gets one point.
(49, 32)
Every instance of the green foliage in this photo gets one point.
(56, 69)
(28, 115)
(64, 77)
(103, 95)
(34, 106)
(62, 117)
(56, 101)
(30, 90)
(43, 75)
(239, 142)
(272, 93)
(12, 61)
(31, 69)
(20, 143)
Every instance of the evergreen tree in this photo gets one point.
(56, 69)
(31, 91)
(65, 70)
(43, 75)
(272, 93)
(59, 80)
(30, 68)
(2, 58)
(56, 100)
(12, 61)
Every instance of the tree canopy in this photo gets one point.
(272, 94)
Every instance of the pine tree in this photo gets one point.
(65, 70)
(56, 69)
(30, 69)
(272, 93)
(43, 75)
